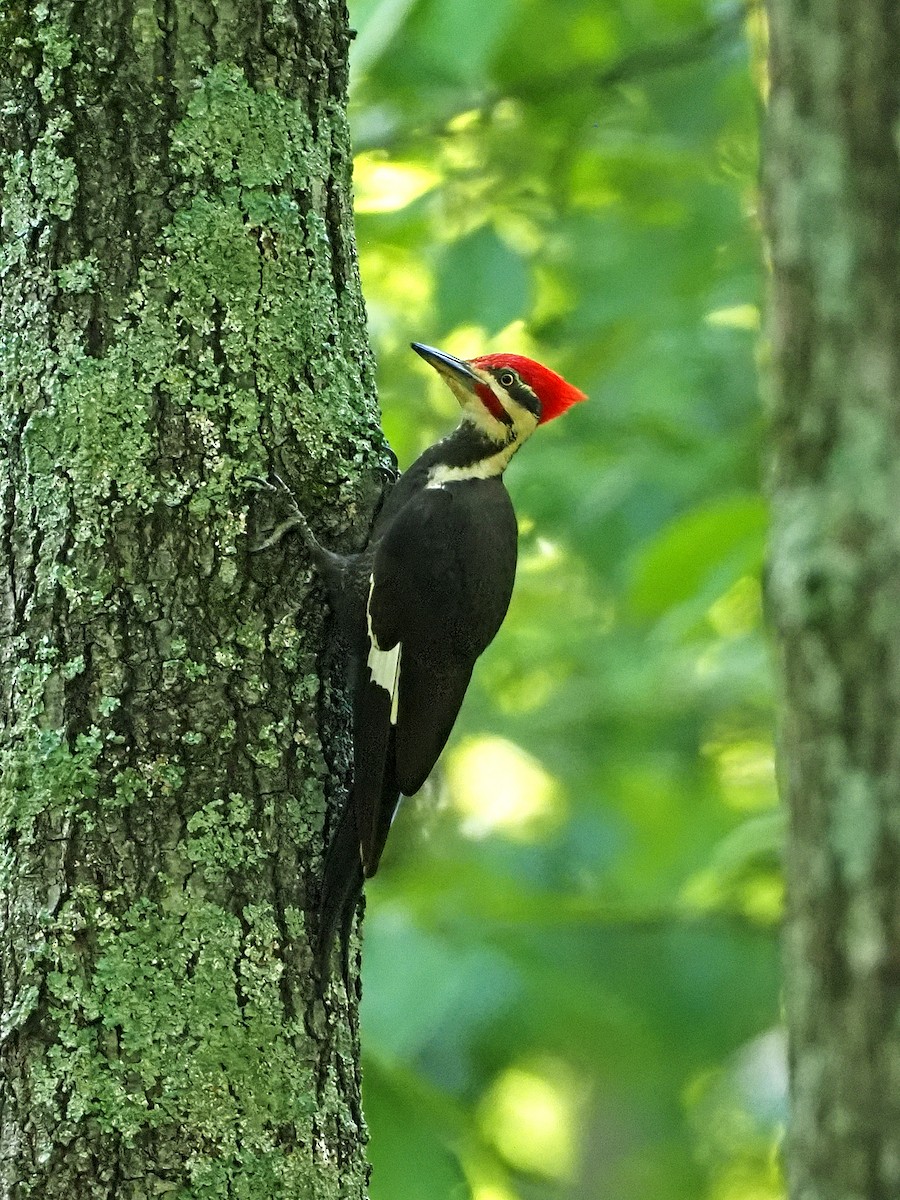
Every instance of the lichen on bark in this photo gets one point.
(180, 311)
(832, 176)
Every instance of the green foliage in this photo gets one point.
(571, 975)
(482, 273)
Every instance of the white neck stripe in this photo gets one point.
(485, 468)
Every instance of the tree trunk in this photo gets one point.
(833, 200)
(180, 311)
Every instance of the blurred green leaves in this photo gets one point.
(480, 280)
(705, 548)
(574, 929)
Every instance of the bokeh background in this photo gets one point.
(571, 976)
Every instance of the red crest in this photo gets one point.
(554, 393)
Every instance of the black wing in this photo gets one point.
(441, 583)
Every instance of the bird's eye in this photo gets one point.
(507, 379)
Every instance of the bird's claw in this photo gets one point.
(278, 533)
(295, 521)
(266, 485)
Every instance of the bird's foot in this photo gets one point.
(296, 520)
(331, 567)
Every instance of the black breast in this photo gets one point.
(445, 570)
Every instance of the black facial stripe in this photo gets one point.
(522, 394)
(503, 415)
(519, 391)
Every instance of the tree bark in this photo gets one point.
(180, 311)
(833, 202)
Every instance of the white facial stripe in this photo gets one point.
(474, 411)
(384, 665)
(507, 438)
(524, 422)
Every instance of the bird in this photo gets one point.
(422, 601)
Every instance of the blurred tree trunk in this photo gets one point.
(833, 201)
(180, 310)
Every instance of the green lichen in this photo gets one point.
(168, 1012)
(44, 777)
(241, 265)
(79, 275)
(222, 836)
(47, 174)
(266, 750)
(56, 46)
(192, 1003)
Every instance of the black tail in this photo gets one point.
(343, 875)
(342, 882)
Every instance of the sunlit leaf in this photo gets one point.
(724, 535)
(410, 1141)
(377, 22)
(530, 1116)
(384, 186)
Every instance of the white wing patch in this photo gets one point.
(384, 665)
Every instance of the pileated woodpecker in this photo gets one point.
(424, 599)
